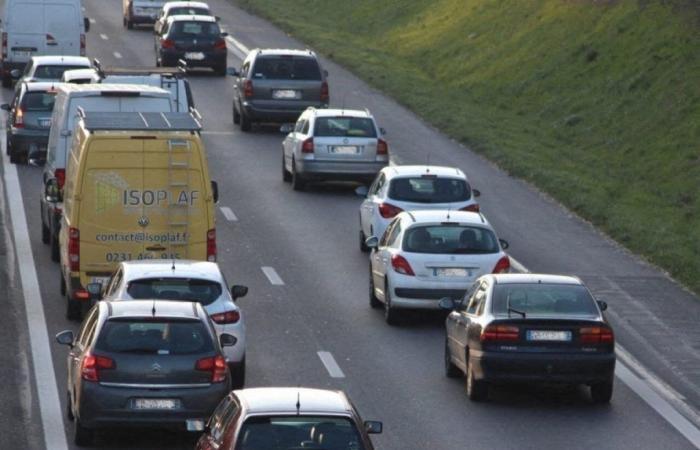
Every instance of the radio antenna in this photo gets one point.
(173, 266)
(153, 308)
(427, 169)
(298, 405)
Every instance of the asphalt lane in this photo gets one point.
(310, 239)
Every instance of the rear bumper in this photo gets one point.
(411, 292)
(7, 66)
(280, 114)
(551, 368)
(211, 58)
(28, 141)
(339, 169)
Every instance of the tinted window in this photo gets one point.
(38, 101)
(188, 11)
(193, 29)
(188, 289)
(286, 68)
(344, 126)
(429, 189)
(154, 336)
(454, 239)
(543, 299)
(295, 432)
(53, 72)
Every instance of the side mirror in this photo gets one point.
(476, 193)
(95, 290)
(602, 305)
(227, 340)
(215, 191)
(15, 73)
(504, 244)
(325, 73)
(286, 128)
(362, 191)
(86, 22)
(238, 291)
(447, 303)
(65, 338)
(373, 427)
(51, 191)
(382, 131)
(224, 33)
(5, 107)
(372, 242)
(231, 71)
(217, 18)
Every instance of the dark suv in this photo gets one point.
(144, 362)
(197, 40)
(277, 86)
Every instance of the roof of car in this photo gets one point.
(164, 268)
(42, 86)
(85, 72)
(441, 171)
(505, 278)
(111, 87)
(171, 5)
(191, 18)
(284, 400)
(333, 112)
(144, 308)
(283, 51)
(61, 60)
(443, 215)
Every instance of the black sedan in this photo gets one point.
(197, 40)
(529, 328)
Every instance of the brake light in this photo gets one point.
(81, 294)
(400, 265)
(474, 207)
(308, 146)
(325, 96)
(211, 245)
(220, 44)
(19, 118)
(92, 364)
(74, 249)
(500, 333)
(60, 175)
(4, 45)
(167, 43)
(596, 335)
(382, 147)
(214, 364)
(82, 44)
(248, 89)
(387, 210)
(226, 317)
(502, 266)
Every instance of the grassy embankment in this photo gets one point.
(595, 102)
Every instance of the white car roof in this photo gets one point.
(204, 270)
(91, 89)
(144, 308)
(407, 171)
(443, 215)
(171, 5)
(61, 60)
(333, 112)
(284, 400)
(78, 74)
(190, 17)
(505, 278)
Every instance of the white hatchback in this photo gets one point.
(199, 281)
(424, 256)
(410, 188)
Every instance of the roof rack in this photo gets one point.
(178, 71)
(150, 121)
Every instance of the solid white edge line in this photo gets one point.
(117, 55)
(228, 213)
(331, 366)
(42, 360)
(517, 265)
(272, 276)
(238, 45)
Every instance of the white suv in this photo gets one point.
(424, 256)
(409, 188)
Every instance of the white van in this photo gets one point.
(89, 97)
(39, 27)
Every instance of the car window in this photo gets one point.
(344, 127)
(186, 289)
(477, 299)
(429, 189)
(244, 69)
(87, 330)
(191, 29)
(37, 101)
(385, 237)
(292, 432)
(286, 67)
(377, 185)
(154, 336)
(221, 417)
(299, 126)
(188, 11)
(392, 240)
(543, 299)
(450, 239)
(54, 72)
(114, 282)
(305, 128)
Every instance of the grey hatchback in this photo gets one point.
(141, 363)
(275, 85)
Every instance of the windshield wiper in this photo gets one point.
(516, 311)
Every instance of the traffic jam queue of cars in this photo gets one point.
(128, 210)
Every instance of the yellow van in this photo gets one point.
(137, 187)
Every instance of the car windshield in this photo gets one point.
(344, 127)
(296, 432)
(38, 101)
(450, 239)
(194, 29)
(161, 337)
(188, 11)
(542, 299)
(286, 68)
(187, 289)
(429, 189)
(54, 72)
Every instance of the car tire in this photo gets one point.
(391, 315)
(373, 300)
(477, 390)
(62, 285)
(238, 375)
(601, 393)
(246, 124)
(6, 81)
(298, 183)
(236, 115)
(69, 407)
(451, 371)
(45, 232)
(55, 249)
(14, 157)
(286, 176)
(363, 246)
(82, 437)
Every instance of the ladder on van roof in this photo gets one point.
(179, 164)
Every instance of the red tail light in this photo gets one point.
(19, 118)
(325, 96)
(60, 175)
(382, 147)
(82, 44)
(214, 364)
(596, 335)
(211, 245)
(500, 333)
(308, 146)
(387, 210)
(92, 364)
(400, 265)
(74, 249)
(4, 45)
(502, 266)
(82, 295)
(220, 44)
(471, 208)
(226, 317)
(167, 43)
(248, 89)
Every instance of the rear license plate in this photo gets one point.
(101, 280)
(45, 123)
(22, 53)
(452, 272)
(155, 403)
(546, 335)
(197, 56)
(345, 150)
(285, 94)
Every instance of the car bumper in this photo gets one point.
(339, 169)
(28, 141)
(211, 58)
(143, 19)
(8, 66)
(415, 293)
(279, 114)
(551, 368)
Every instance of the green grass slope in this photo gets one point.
(595, 102)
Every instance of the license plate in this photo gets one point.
(452, 272)
(155, 403)
(345, 149)
(22, 53)
(285, 94)
(546, 335)
(45, 123)
(102, 280)
(198, 56)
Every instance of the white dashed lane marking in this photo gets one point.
(104, 36)
(271, 275)
(331, 366)
(117, 55)
(230, 216)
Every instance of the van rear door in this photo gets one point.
(62, 30)
(25, 31)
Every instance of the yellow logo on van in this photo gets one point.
(108, 187)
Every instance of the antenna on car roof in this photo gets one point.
(173, 265)
(298, 405)
(153, 308)
(448, 213)
(427, 162)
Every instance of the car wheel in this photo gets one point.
(69, 407)
(451, 371)
(363, 246)
(298, 183)
(391, 315)
(82, 436)
(601, 393)
(246, 124)
(55, 250)
(286, 176)
(477, 390)
(14, 157)
(236, 115)
(238, 375)
(373, 300)
(45, 232)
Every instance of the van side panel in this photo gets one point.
(62, 22)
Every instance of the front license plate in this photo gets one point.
(546, 335)
(345, 150)
(285, 94)
(155, 403)
(22, 54)
(197, 56)
(452, 272)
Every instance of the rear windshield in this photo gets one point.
(188, 11)
(286, 68)
(162, 337)
(543, 299)
(450, 239)
(345, 127)
(54, 72)
(191, 29)
(188, 289)
(38, 101)
(429, 189)
(296, 432)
